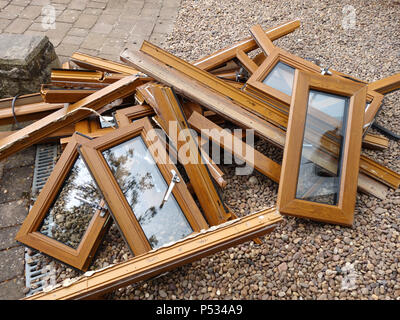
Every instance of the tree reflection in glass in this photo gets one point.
(144, 187)
(68, 217)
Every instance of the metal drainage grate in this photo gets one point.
(44, 164)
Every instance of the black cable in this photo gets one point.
(385, 131)
(13, 109)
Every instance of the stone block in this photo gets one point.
(25, 63)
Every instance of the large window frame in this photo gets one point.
(29, 234)
(343, 212)
(113, 195)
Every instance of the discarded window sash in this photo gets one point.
(168, 108)
(83, 78)
(135, 180)
(68, 218)
(52, 94)
(333, 200)
(273, 80)
(386, 85)
(166, 258)
(94, 63)
(191, 84)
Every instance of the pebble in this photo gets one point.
(162, 294)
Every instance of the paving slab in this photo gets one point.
(12, 289)
(12, 263)
(16, 184)
(31, 12)
(7, 237)
(13, 213)
(22, 158)
(85, 21)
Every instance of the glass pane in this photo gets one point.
(69, 217)
(314, 183)
(144, 188)
(281, 78)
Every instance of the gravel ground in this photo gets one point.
(301, 259)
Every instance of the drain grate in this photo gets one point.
(46, 155)
(44, 163)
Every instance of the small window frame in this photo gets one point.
(124, 117)
(287, 204)
(256, 86)
(29, 235)
(118, 205)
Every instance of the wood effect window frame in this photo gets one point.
(29, 235)
(119, 207)
(124, 117)
(169, 110)
(256, 86)
(343, 212)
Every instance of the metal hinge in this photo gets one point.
(325, 71)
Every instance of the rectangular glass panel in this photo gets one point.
(69, 217)
(144, 187)
(314, 183)
(281, 78)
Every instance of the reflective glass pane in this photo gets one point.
(144, 188)
(69, 216)
(281, 78)
(314, 183)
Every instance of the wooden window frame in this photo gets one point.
(119, 207)
(29, 235)
(124, 117)
(168, 109)
(343, 212)
(255, 85)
